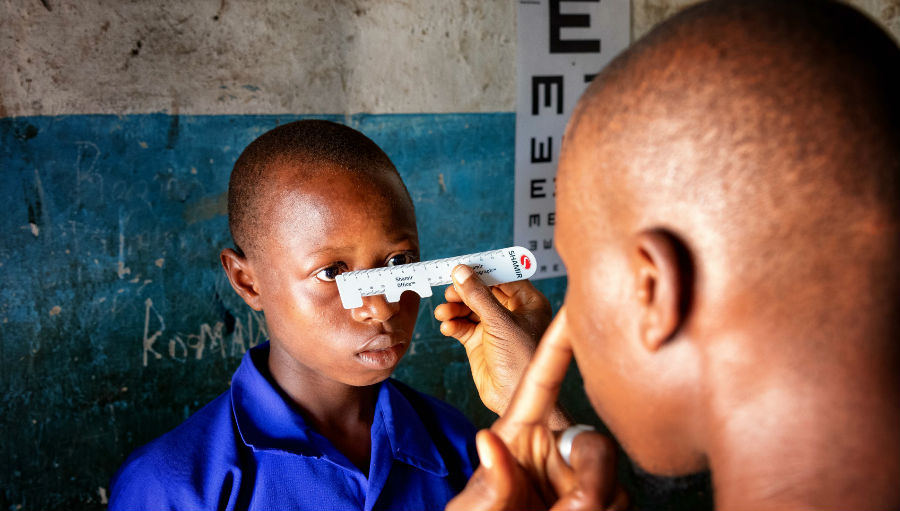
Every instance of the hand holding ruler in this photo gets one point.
(494, 267)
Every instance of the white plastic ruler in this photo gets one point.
(494, 267)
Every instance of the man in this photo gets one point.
(728, 209)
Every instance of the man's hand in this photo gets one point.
(521, 467)
(498, 483)
(499, 327)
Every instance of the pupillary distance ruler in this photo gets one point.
(494, 267)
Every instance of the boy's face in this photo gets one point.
(330, 223)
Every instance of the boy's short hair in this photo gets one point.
(302, 146)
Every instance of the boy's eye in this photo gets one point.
(328, 274)
(401, 259)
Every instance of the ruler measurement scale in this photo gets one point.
(493, 266)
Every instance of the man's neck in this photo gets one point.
(809, 433)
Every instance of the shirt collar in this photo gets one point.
(267, 420)
(264, 416)
(410, 440)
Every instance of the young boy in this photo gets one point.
(312, 420)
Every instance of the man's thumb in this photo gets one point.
(498, 463)
(492, 485)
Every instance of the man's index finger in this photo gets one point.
(536, 394)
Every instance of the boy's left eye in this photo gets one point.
(399, 259)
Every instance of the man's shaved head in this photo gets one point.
(288, 155)
(764, 97)
(768, 130)
(728, 207)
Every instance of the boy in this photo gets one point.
(312, 420)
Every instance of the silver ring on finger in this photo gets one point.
(564, 443)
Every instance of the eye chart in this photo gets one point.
(562, 45)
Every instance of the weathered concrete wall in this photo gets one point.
(220, 56)
(213, 57)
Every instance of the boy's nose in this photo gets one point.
(375, 307)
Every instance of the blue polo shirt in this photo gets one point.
(251, 449)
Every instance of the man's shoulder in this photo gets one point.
(169, 467)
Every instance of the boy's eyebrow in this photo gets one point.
(331, 250)
(346, 248)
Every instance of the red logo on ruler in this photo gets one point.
(526, 262)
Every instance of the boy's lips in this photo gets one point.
(381, 341)
(382, 351)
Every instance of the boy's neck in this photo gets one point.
(322, 400)
(341, 413)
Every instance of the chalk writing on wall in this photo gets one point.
(208, 339)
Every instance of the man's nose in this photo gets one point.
(375, 307)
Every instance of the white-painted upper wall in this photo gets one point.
(281, 56)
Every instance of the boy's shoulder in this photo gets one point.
(441, 419)
(162, 474)
(452, 434)
(436, 407)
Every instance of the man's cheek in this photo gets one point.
(584, 308)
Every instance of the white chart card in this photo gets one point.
(562, 45)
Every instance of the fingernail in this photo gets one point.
(462, 273)
(484, 451)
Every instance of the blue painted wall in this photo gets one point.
(116, 321)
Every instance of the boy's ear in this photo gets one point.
(663, 279)
(240, 274)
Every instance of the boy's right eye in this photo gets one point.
(328, 274)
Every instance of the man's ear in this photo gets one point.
(240, 274)
(663, 279)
